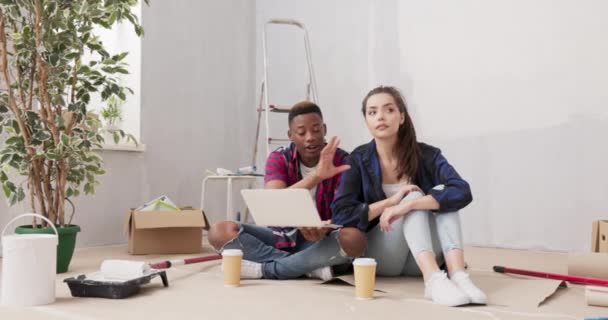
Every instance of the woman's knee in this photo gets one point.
(352, 241)
(417, 216)
(413, 195)
(222, 232)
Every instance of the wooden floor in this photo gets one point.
(197, 292)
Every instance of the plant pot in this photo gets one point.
(67, 242)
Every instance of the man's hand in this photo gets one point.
(325, 168)
(315, 234)
(397, 197)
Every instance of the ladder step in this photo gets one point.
(273, 109)
(277, 141)
(279, 109)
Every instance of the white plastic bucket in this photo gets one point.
(29, 267)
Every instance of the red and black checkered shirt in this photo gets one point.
(284, 164)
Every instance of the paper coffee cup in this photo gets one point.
(365, 278)
(231, 260)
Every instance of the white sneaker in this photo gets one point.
(324, 274)
(249, 269)
(463, 281)
(441, 290)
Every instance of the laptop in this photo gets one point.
(283, 208)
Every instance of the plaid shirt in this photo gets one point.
(284, 164)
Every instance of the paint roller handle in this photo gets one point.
(202, 259)
(554, 276)
(30, 215)
(169, 263)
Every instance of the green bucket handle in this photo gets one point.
(29, 215)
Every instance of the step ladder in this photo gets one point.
(264, 105)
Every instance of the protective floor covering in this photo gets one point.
(196, 292)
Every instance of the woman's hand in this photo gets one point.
(390, 214)
(397, 197)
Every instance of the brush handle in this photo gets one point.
(554, 276)
(169, 263)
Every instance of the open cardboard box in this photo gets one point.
(166, 232)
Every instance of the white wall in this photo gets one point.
(338, 36)
(515, 91)
(512, 91)
(197, 97)
(198, 101)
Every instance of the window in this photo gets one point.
(119, 39)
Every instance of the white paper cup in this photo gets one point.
(231, 260)
(365, 278)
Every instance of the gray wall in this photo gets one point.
(197, 112)
(514, 92)
(199, 104)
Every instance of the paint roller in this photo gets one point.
(126, 269)
(118, 279)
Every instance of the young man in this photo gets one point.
(307, 163)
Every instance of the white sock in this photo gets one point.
(463, 281)
(324, 274)
(441, 290)
(249, 269)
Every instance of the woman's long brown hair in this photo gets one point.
(406, 148)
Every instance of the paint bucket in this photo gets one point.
(29, 265)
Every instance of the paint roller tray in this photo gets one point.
(91, 286)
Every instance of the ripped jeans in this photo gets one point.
(417, 231)
(257, 244)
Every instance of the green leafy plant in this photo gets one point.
(46, 86)
(112, 113)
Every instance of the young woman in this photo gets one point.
(406, 196)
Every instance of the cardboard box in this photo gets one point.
(166, 232)
(599, 236)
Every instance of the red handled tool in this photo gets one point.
(177, 262)
(554, 276)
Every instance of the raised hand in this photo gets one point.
(326, 168)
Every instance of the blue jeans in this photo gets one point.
(417, 231)
(257, 244)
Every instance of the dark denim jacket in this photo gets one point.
(362, 185)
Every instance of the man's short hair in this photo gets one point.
(303, 107)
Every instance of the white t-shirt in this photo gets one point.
(306, 171)
(391, 188)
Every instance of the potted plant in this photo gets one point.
(112, 116)
(46, 83)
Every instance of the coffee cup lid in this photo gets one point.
(232, 252)
(364, 262)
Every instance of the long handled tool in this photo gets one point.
(554, 276)
(120, 279)
(177, 262)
